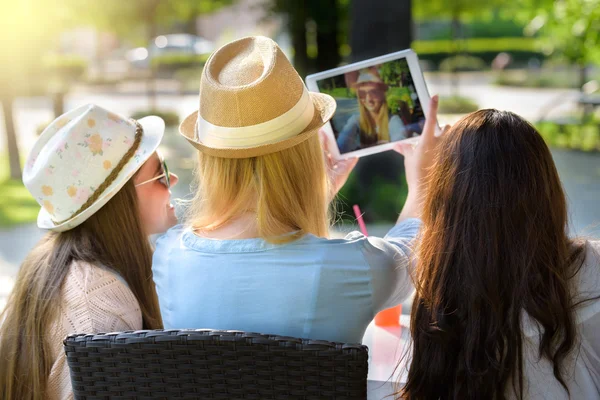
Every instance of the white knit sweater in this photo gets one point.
(94, 299)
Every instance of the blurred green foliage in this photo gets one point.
(16, 203)
(521, 49)
(71, 67)
(138, 20)
(381, 204)
(583, 137)
(392, 72)
(479, 45)
(568, 28)
(170, 64)
(395, 96)
(339, 92)
(188, 78)
(457, 105)
(171, 118)
(542, 78)
(496, 27)
(463, 10)
(462, 63)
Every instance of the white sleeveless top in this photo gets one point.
(581, 368)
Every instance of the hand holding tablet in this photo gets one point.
(338, 170)
(380, 102)
(419, 154)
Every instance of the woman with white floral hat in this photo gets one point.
(103, 189)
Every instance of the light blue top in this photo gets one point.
(315, 288)
(349, 137)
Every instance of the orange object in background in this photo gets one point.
(389, 316)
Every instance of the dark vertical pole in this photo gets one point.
(327, 20)
(11, 138)
(297, 20)
(379, 27)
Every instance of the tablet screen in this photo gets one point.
(375, 105)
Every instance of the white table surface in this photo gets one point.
(387, 346)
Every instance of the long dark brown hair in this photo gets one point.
(112, 237)
(493, 246)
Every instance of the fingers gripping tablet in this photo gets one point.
(380, 102)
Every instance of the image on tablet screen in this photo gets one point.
(375, 105)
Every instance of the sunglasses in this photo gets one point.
(164, 177)
(373, 92)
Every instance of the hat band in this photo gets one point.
(287, 125)
(112, 176)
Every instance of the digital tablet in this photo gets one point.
(380, 102)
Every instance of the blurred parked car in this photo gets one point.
(178, 43)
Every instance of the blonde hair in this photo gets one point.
(369, 127)
(112, 237)
(287, 190)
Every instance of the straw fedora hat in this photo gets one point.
(253, 102)
(82, 159)
(369, 77)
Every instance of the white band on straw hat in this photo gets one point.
(282, 127)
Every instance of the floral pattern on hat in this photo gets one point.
(61, 149)
(47, 190)
(74, 155)
(83, 194)
(48, 206)
(71, 190)
(95, 144)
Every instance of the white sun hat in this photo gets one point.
(82, 159)
(367, 76)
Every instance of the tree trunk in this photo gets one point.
(189, 26)
(151, 80)
(297, 22)
(455, 37)
(58, 104)
(588, 110)
(98, 57)
(11, 138)
(582, 75)
(327, 35)
(379, 27)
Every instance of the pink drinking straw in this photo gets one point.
(361, 221)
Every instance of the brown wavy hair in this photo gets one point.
(494, 246)
(112, 237)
